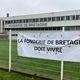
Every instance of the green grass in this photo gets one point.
(40, 67)
(14, 76)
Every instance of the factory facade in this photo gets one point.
(55, 21)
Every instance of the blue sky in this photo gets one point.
(24, 7)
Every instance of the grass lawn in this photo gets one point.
(14, 76)
(40, 67)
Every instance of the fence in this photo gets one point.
(39, 67)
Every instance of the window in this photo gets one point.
(77, 27)
(30, 20)
(49, 19)
(73, 17)
(8, 22)
(58, 18)
(77, 17)
(14, 34)
(70, 28)
(53, 18)
(26, 20)
(62, 18)
(67, 17)
(59, 28)
(18, 21)
(12, 21)
(45, 19)
(36, 28)
(36, 20)
(41, 19)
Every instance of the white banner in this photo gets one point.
(50, 45)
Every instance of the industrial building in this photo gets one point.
(54, 21)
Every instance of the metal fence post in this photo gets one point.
(9, 50)
(62, 62)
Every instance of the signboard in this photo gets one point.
(50, 45)
(25, 25)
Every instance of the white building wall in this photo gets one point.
(49, 24)
(41, 15)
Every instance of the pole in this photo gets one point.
(62, 62)
(62, 67)
(1, 26)
(9, 50)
